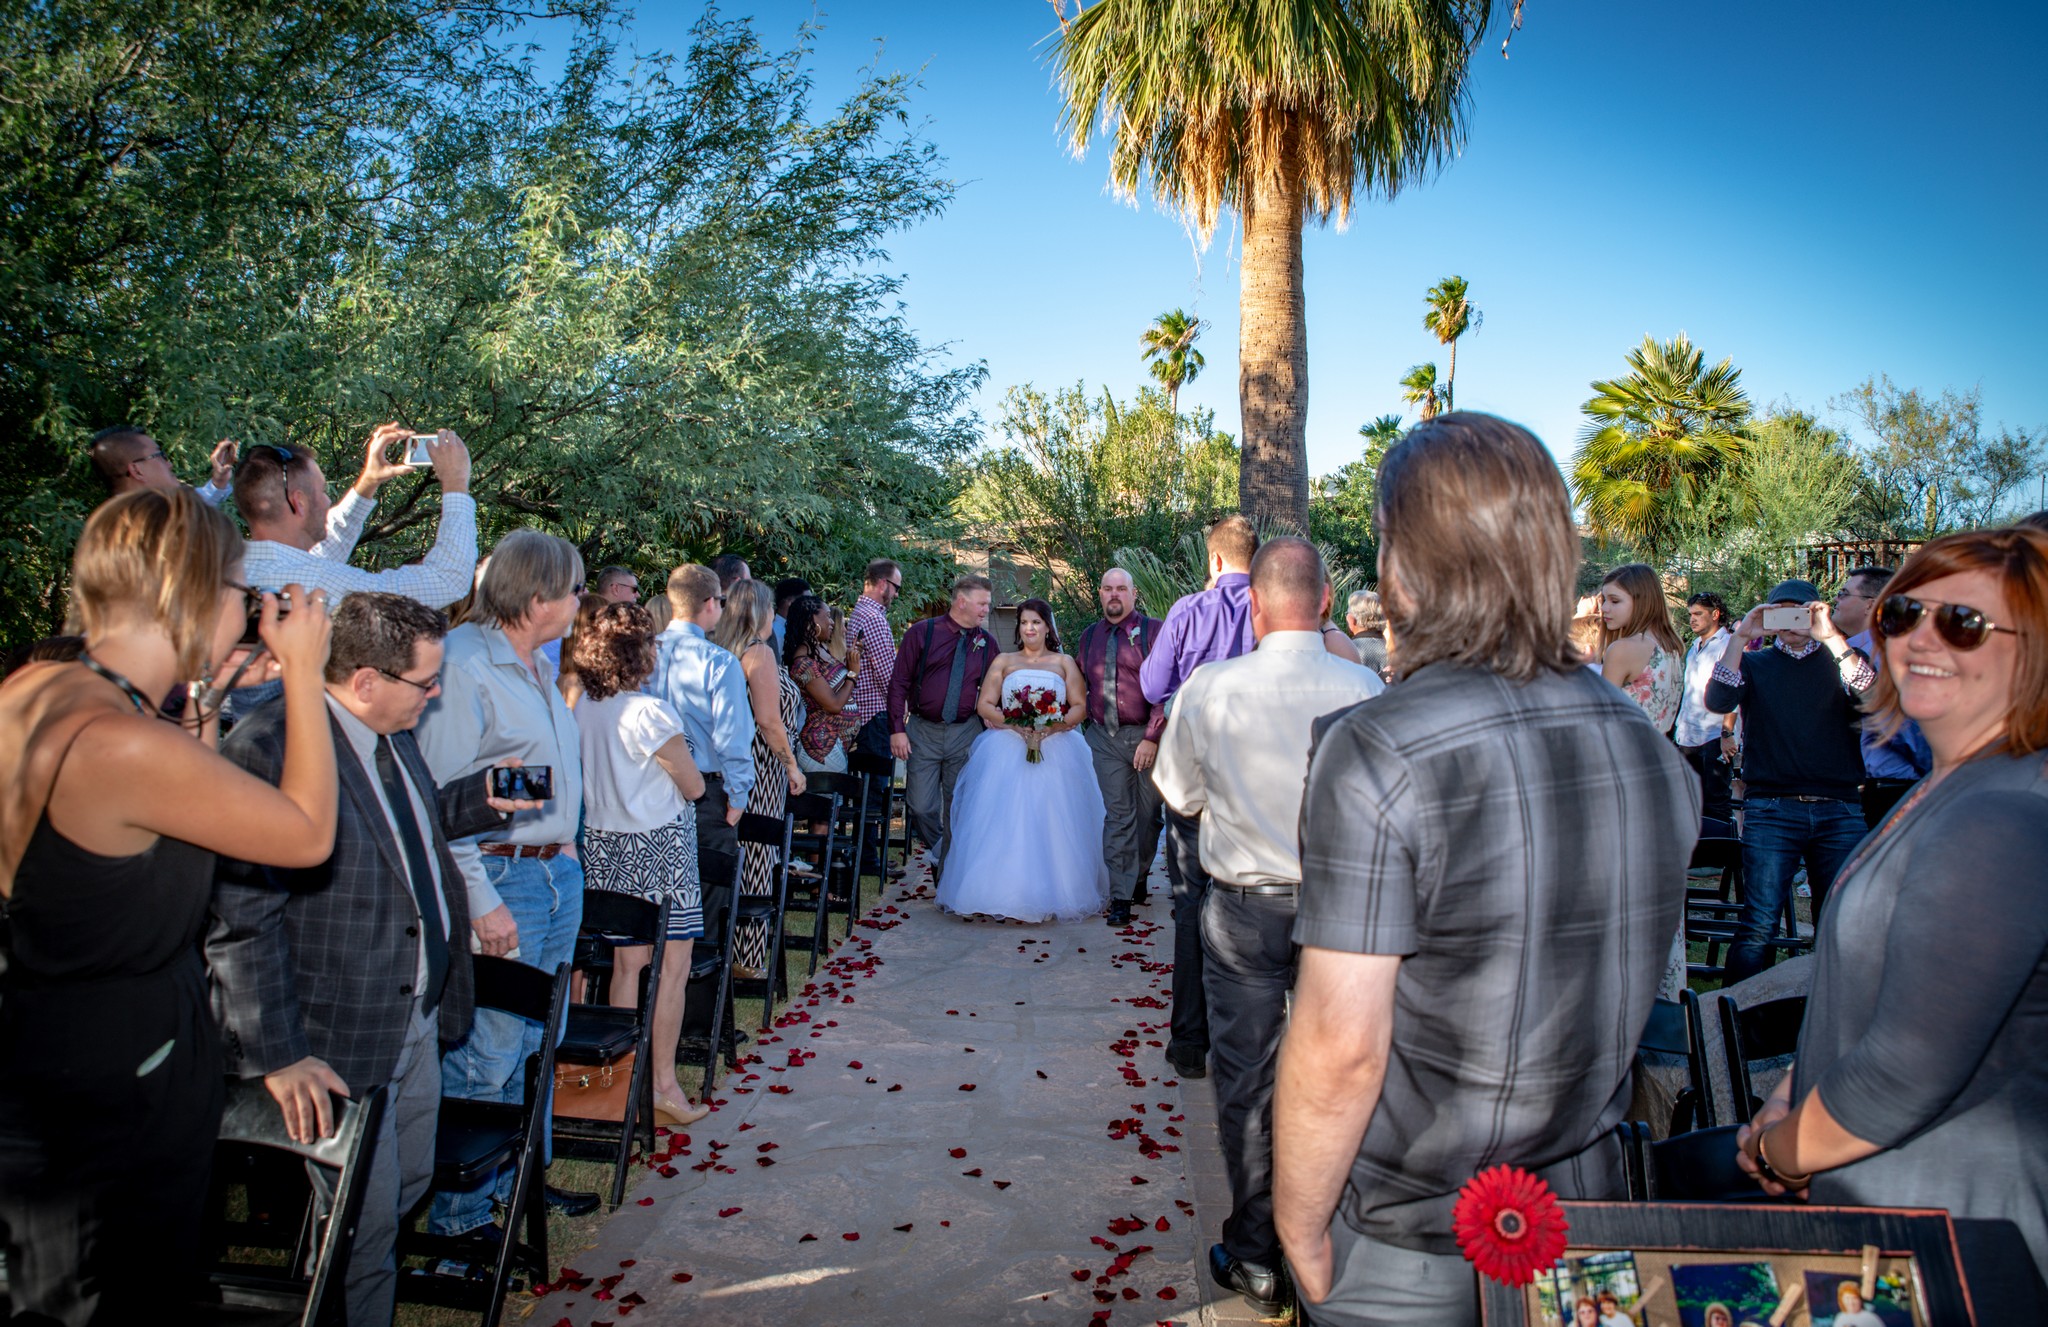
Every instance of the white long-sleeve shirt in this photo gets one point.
(444, 576)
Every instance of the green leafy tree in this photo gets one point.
(1170, 349)
(1419, 389)
(1451, 315)
(647, 291)
(1931, 466)
(1654, 437)
(1284, 113)
(1082, 474)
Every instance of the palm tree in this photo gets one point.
(1382, 433)
(1283, 111)
(1170, 344)
(1450, 316)
(1654, 437)
(1420, 390)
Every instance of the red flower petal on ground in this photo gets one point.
(850, 1236)
(1139, 1179)
(905, 1227)
(956, 1153)
(1001, 1184)
(897, 1088)
(1168, 1292)
(1509, 1225)
(1130, 1292)
(629, 1262)
(974, 1174)
(1162, 1225)
(730, 1211)
(967, 1087)
(1080, 1274)
(682, 1278)
(855, 1064)
(766, 1147)
(646, 1202)
(807, 1239)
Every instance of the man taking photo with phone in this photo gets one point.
(1801, 761)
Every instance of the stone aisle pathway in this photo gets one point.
(962, 1122)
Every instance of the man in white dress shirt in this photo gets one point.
(1699, 731)
(296, 536)
(1235, 752)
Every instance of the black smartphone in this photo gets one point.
(252, 629)
(524, 783)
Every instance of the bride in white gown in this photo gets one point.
(1027, 837)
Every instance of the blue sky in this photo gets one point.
(1820, 190)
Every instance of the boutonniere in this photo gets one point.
(1132, 632)
(977, 643)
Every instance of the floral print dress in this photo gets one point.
(1657, 688)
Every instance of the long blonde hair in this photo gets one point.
(165, 555)
(749, 609)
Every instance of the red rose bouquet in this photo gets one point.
(1033, 709)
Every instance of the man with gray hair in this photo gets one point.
(1367, 620)
(1123, 737)
(499, 702)
(1235, 753)
(932, 694)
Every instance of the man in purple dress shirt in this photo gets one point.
(1215, 623)
(932, 694)
(1123, 737)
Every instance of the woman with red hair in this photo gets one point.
(1920, 1081)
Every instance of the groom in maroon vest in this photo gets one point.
(1123, 737)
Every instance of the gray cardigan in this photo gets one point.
(1927, 1028)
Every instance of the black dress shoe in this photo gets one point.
(1267, 1289)
(1187, 1066)
(571, 1203)
(1119, 913)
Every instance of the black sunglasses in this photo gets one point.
(1960, 625)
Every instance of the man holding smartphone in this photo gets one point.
(1802, 763)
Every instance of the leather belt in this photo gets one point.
(544, 851)
(1256, 890)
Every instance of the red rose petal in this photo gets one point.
(1168, 1292)
(956, 1153)
(807, 1239)
(628, 1262)
(730, 1211)
(850, 1236)
(945, 1223)
(906, 1226)
(1001, 1184)
(1139, 1179)
(974, 1174)
(1130, 1292)
(646, 1202)
(897, 1088)
(967, 1087)
(1080, 1274)
(1162, 1225)
(682, 1278)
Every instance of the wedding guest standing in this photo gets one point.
(1235, 752)
(867, 627)
(1892, 763)
(1919, 1080)
(1640, 651)
(110, 1061)
(932, 695)
(1215, 623)
(1123, 737)
(1490, 855)
(1368, 623)
(829, 715)
(1698, 731)
(341, 977)
(127, 459)
(746, 631)
(499, 702)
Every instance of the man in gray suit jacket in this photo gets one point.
(342, 977)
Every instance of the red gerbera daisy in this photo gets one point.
(1509, 1225)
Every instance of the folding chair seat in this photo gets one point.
(810, 887)
(850, 835)
(717, 966)
(601, 1036)
(475, 1139)
(275, 1295)
(1766, 1031)
(877, 810)
(1668, 1032)
(1699, 1167)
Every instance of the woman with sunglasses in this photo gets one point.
(110, 1060)
(1920, 1080)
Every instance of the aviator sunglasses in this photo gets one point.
(1959, 624)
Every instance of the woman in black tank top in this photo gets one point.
(110, 1063)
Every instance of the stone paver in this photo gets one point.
(955, 1116)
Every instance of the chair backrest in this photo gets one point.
(1761, 1032)
(1716, 853)
(252, 1118)
(867, 762)
(846, 787)
(514, 988)
(624, 917)
(1696, 1058)
(1700, 1167)
(1665, 1032)
(766, 831)
(812, 806)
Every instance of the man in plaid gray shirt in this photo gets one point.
(1493, 861)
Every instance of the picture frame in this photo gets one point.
(1920, 1244)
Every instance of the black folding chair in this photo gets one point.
(895, 802)
(850, 832)
(1696, 1067)
(1668, 1033)
(1695, 1167)
(1764, 1031)
(764, 909)
(601, 1036)
(812, 885)
(275, 1294)
(877, 810)
(1712, 911)
(476, 1138)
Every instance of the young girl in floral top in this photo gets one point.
(1640, 651)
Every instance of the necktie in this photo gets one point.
(1110, 717)
(951, 708)
(416, 866)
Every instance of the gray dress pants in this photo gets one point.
(1375, 1284)
(401, 1167)
(938, 752)
(1130, 830)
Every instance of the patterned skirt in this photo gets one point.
(656, 864)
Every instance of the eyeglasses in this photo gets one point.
(1846, 593)
(1960, 625)
(427, 686)
(577, 588)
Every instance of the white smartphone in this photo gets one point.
(416, 449)
(1788, 617)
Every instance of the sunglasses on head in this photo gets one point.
(1962, 626)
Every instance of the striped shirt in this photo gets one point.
(868, 624)
(438, 580)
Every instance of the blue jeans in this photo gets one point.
(1777, 833)
(546, 900)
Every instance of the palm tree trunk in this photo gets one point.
(1451, 378)
(1272, 373)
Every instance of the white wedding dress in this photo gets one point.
(1027, 839)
